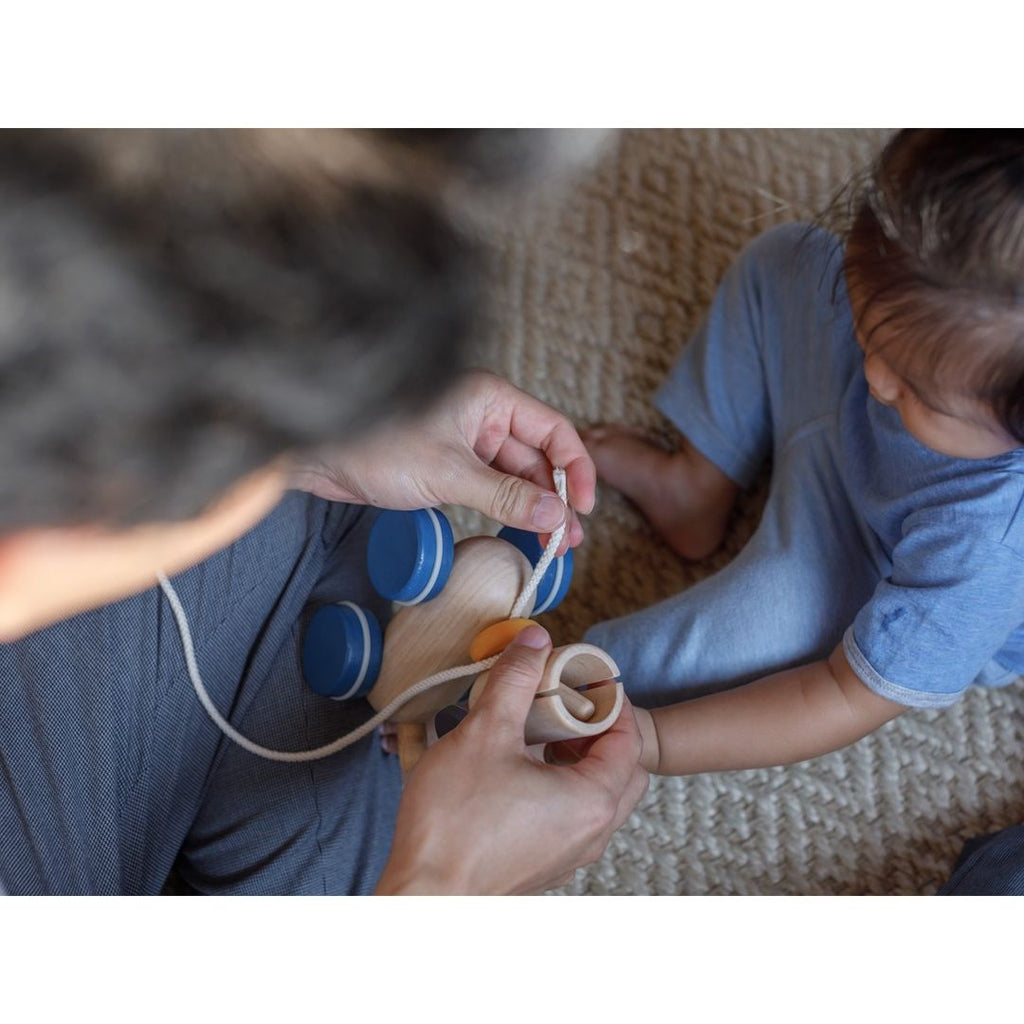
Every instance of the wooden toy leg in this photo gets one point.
(412, 741)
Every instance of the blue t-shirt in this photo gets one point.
(775, 368)
(954, 532)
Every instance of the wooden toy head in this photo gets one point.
(553, 717)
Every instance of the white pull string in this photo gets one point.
(385, 713)
(549, 553)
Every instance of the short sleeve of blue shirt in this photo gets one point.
(956, 592)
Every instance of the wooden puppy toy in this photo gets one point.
(455, 604)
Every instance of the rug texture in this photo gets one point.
(595, 290)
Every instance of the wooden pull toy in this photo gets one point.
(455, 602)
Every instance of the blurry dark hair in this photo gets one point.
(178, 308)
(935, 248)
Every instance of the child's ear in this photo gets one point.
(885, 384)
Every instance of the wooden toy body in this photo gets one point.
(487, 576)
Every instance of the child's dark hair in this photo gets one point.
(936, 250)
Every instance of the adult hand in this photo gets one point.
(482, 816)
(486, 445)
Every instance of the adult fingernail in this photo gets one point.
(534, 637)
(548, 513)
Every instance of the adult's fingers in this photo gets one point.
(614, 756)
(520, 460)
(508, 499)
(615, 765)
(512, 683)
(631, 796)
(540, 427)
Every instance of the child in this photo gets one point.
(885, 376)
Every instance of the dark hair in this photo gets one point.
(935, 250)
(179, 308)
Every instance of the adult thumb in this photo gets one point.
(513, 680)
(511, 500)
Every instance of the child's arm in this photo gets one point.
(784, 718)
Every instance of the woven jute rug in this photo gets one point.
(596, 289)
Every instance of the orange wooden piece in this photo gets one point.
(494, 639)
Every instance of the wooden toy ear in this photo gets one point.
(341, 651)
(409, 555)
(554, 584)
